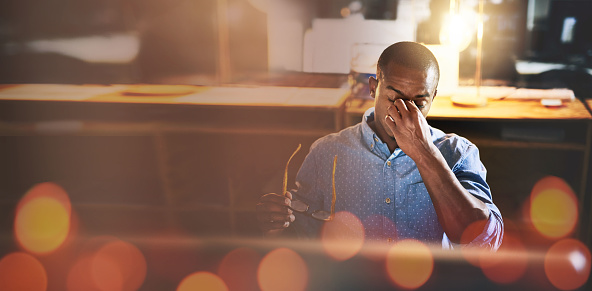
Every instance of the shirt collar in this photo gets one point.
(371, 139)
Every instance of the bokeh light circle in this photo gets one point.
(21, 271)
(472, 252)
(171, 263)
(553, 207)
(202, 281)
(108, 263)
(567, 264)
(119, 265)
(43, 218)
(508, 264)
(238, 269)
(375, 226)
(343, 237)
(282, 269)
(409, 263)
(79, 277)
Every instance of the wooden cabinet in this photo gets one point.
(143, 165)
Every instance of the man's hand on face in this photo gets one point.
(410, 129)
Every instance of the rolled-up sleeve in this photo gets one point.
(471, 173)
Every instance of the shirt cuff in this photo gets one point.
(490, 238)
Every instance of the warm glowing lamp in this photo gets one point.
(456, 29)
(474, 98)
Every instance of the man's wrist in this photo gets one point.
(427, 155)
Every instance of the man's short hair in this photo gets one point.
(408, 54)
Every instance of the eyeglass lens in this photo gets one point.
(299, 206)
(322, 215)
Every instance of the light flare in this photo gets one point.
(409, 263)
(108, 263)
(553, 207)
(567, 264)
(119, 265)
(239, 269)
(343, 237)
(457, 30)
(282, 269)
(21, 271)
(470, 252)
(202, 281)
(508, 264)
(43, 218)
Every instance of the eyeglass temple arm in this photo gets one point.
(285, 182)
(334, 198)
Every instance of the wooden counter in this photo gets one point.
(196, 158)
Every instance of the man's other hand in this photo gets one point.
(273, 213)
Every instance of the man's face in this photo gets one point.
(399, 82)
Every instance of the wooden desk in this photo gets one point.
(237, 109)
(196, 160)
(442, 108)
(520, 142)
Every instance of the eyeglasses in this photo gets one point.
(302, 207)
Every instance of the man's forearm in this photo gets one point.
(455, 206)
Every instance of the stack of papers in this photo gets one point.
(503, 92)
(529, 94)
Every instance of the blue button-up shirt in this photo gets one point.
(385, 191)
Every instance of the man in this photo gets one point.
(399, 176)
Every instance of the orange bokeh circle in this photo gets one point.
(553, 207)
(202, 281)
(107, 263)
(239, 269)
(343, 237)
(508, 264)
(21, 271)
(282, 269)
(409, 263)
(43, 218)
(119, 265)
(567, 264)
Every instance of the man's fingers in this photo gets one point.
(271, 220)
(288, 194)
(275, 216)
(277, 199)
(401, 108)
(393, 117)
(278, 225)
(411, 106)
(273, 207)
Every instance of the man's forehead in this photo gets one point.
(395, 73)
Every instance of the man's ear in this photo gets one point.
(373, 83)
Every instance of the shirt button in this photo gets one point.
(376, 139)
(387, 200)
(372, 145)
(388, 163)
